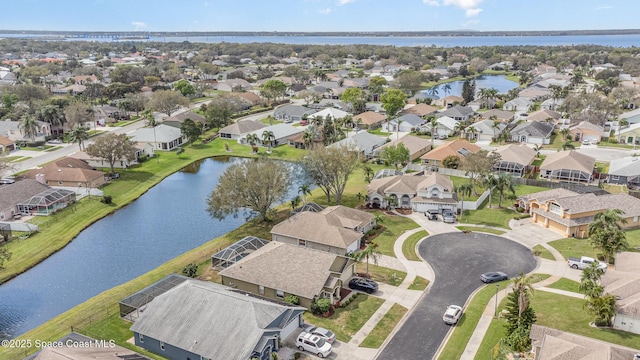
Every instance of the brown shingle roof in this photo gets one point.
(369, 118)
(67, 170)
(413, 143)
(568, 160)
(326, 227)
(291, 268)
(5, 141)
(516, 153)
(450, 148)
(420, 110)
(402, 184)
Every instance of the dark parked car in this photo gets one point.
(493, 277)
(362, 284)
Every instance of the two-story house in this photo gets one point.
(570, 213)
(418, 193)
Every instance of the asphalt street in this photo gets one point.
(457, 259)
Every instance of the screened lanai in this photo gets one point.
(47, 202)
(509, 167)
(570, 175)
(236, 252)
(132, 306)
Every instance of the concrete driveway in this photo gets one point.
(457, 259)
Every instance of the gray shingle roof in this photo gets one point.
(304, 273)
(361, 141)
(209, 320)
(628, 166)
(412, 119)
(20, 191)
(534, 129)
(568, 160)
(163, 134)
(242, 127)
(457, 111)
(292, 110)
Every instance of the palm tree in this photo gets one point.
(604, 308)
(471, 132)
(253, 139)
(267, 139)
(564, 132)
(537, 148)
(295, 202)
(446, 88)
(568, 145)
(371, 251)
(522, 285)
(307, 138)
(495, 126)
(79, 134)
(433, 92)
(490, 182)
(368, 173)
(590, 281)
(29, 127)
(606, 233)
(504, 182)
(399, 121)
(304, 190)
(463, 190)
(459, 128)
(433, 122)
(152, 122)
(621, 123)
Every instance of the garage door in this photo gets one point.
(290, 328)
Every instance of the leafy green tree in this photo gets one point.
(220, 111)
(51, 114)
(606, 234)
(191, 129)
(590, 281)
(78, 114)
(603, 308)
(190, 270)
(376, 86)
(5, 255)
(409, 80)
(273, 89)
(395, 154)
(29, 127)
(477, 165)
(451, 162)
(356, 98)
(393, 100)
(252, 187)
(113, 147)
(304, 190)
(490, 182)
(184, 87)
(167, 101)
(330, 167)
(468, 90)
(9, 100)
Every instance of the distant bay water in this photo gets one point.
(624, 41)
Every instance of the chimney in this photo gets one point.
(40, 178)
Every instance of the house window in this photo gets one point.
(615, 178)
(435, 192)
(161, 346)
(555, 208)
(635, 219)
(141, 338)
(280, 294)
(260, 289)
(302, 242)
(204, 358)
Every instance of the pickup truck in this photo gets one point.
(584, 262)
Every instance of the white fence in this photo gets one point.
(474, 205)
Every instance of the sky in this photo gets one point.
(317, 15)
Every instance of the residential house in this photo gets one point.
(585, 130)
(418, 193)
(458, 147)
(629, 135)
(332, 113)
(417, 146)
(551, 104)
(250, 98)
(177, 119)
(292, 113)
(570, 213)
(11, 129)
(624, 171)
(233, 85)
(448, 101)
(571, 166)
(408, 122)
(446, 126)
(363, 142)
(162, 137)
(105, 114)
(336, 229)
(281, 134)
(240, 128)
(369, 120)
(202, 320)
(532, 133)
(68, 172)
(306, 273)
(422, 110)
(458, 113)
(544, 115)
(6, 144)
(632, 117)
(13, 194)
(142, 150)
(514, 159)
(552, 344)
(485, 130)
(534, 93)
(545, 69)
(69, 90)
(519, 105)
(500, 115)
(624, 284)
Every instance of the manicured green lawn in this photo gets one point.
(39, 148)
(384, 327)
(480, 229)
(419, 283)
(571, 247)
(469, 320)
(566, 284)
(457, 181)
(382, 274)
(602, 167)
(395, 226)
(409, 245)
(557, 141)
(346, 321)
(379, 132)
(543, 252)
